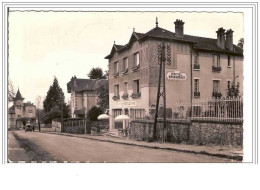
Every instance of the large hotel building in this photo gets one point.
(199, 67)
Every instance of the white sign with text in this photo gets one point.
(176, 75)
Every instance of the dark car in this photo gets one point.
(28, 128)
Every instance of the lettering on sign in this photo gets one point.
(176, 75)
(127, 104)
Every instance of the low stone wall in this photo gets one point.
(199, 133)
(175, 132)
(218, 133)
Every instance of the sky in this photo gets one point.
(63, 44)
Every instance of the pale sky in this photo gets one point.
(64, 44)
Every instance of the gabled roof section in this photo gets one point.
(117, 48)
(79, 85)
(200, 43)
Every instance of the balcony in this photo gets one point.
(196, 67)
(216, 68)
(136, 95)
(196, 94)
(116, 74)
(136, 68)
(125, 71)
(125, 96)
(116, 97)
(216, 95)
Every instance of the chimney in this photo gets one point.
(179, 28)
(74, 80)
(221, 38)
(229, 40)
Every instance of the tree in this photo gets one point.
(233, 91)
(11, 92)
(53, 103)
(241, 43)
(93, 113)
(97, 73)
(103, 95)
(38, 110)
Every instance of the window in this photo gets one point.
(116, 90)
(125, 87)
(30, 111)
(216, 62)
(196, 58)
(196, 85)
(136, 59)
(229, 62)
(115, 67)
(125, 64)
(228, 84)
(136, 86)
(215, 86)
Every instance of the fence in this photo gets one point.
(222, 109)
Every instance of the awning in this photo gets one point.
(103, 116)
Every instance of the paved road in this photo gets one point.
(34, 146)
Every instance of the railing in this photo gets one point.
(136, 95)
(222, 109)
(216, 68)
(196, 67)
(116, 97)
(136, 67)
(116, 74)
(125, 71)
(125, 96)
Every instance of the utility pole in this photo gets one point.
(161, 61)
(61, 101)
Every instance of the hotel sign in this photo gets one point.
(127, 104)
(176, 75)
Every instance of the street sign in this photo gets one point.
(176, 75)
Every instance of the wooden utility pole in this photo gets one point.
(161, 62)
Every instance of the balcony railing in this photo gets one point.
(136, 68)
(124, 71)
(116, 74)
(196, 94)
(136, 95)
(216, 95)
(125, 96)
(216, 68)
(196, 67)
(116, 97)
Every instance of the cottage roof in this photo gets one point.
(200, 43)
(79, 85)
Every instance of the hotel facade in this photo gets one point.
(198, 67)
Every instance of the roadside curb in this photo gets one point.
(233, 157)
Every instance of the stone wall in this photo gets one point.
(199, 133)
(175, 132)
(216, 133)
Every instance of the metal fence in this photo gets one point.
(223, 109)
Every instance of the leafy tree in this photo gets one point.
(53, 102)
(103, 95)
(96, 73)
(233, 91)
(54, 96)
(11, 93)
(241, 43)
(93, 113)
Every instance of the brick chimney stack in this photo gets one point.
(179, 28)
(229, 40)
(221, 38)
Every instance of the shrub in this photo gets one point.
(93, 113)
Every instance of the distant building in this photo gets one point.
(83, 95)
(199, 67)
(21, 112)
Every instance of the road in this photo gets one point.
(41, 147)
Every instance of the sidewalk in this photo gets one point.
(218, 151)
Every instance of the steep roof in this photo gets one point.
(200, 43)
(18, 95)
(85, 84)
(11, 109)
